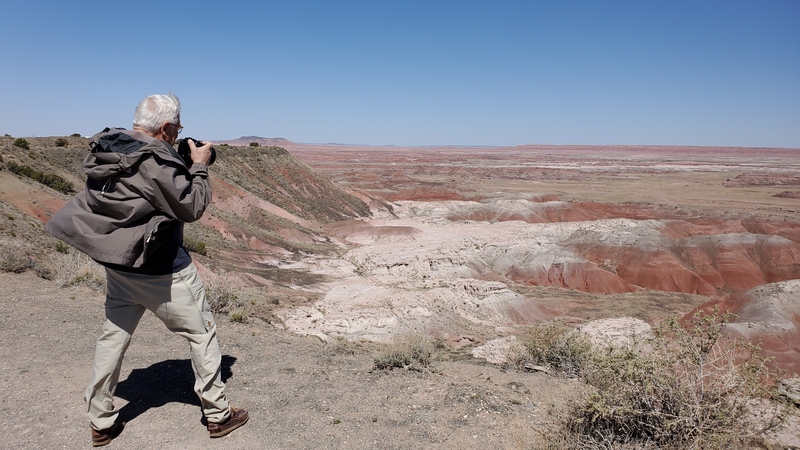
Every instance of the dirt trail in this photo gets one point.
(301, 393)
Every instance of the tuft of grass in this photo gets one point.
(62, 247)
(417, 353)
(195, 246)
(238, 316)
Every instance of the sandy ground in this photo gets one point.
(301, 393)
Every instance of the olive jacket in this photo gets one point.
(137, 190)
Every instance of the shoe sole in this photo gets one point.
(114, 434)
(226, 431)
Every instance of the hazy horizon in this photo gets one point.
(345, 144)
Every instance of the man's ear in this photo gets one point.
(163, 130)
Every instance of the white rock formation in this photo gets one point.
(496, 351)
(423, 272)
(617, 332)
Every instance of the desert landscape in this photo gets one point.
(482, 233)
(339, 251)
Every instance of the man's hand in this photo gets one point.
(200, 154)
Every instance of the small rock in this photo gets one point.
(495, 351)
(536, 368)
(519, 387)
(621, 331)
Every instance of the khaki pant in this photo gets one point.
(179, 300)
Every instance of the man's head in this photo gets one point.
(159, 116)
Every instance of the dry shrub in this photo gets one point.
(685, 386)
(418, 353)
(75, 268)
(14, 256)
(555, 346)
(222, 294)
(45, 272)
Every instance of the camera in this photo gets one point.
(186, 153)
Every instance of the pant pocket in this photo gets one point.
(208, 320)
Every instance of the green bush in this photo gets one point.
(196, 246)
(76, 135)
(22, 143)
(61, 142)
(254, 144)
(48, 179)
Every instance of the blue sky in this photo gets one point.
(412, 72)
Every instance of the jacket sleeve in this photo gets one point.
(174, 192)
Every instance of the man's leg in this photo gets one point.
(122, 316)
(187, 314)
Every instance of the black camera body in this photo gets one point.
(186, 153)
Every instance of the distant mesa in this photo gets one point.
(246, 140)
(763, 179)
(788, 194)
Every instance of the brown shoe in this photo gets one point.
(103, 437)
(237, 418)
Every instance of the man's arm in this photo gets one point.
(172, 192)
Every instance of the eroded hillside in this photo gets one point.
(265, 200)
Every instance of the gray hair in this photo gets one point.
(156, 109)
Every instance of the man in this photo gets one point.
(129, 218)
